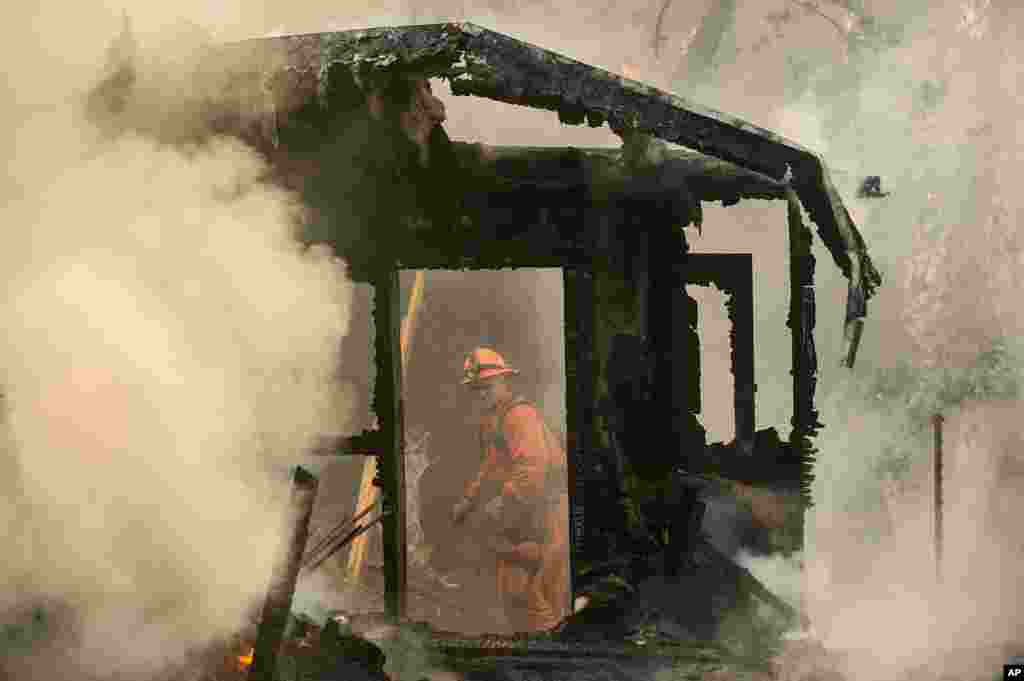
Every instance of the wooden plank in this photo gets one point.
(367, 495)
(673, 345)
(411, 315)
(802, 314)
(580, 391)
(574, 424)
(741, 312)
(393, 463)
(801, 322)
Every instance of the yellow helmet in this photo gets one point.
(484, 363)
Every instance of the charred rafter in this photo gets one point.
(484, 63)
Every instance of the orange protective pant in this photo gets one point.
(533, 585)
(537, 600)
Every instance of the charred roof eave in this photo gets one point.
(708, 178)
(481, 62)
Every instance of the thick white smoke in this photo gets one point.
(168, 353)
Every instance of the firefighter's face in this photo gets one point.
(490, 391)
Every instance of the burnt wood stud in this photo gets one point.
(740, 306)
(572, 402)
(804, 370)
(283, 579)
(581, 391)
(388, 408)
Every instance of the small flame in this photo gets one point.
(631, 71)
(245, 660)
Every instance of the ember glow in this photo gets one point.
(244, 661)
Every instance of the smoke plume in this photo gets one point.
(168, 354)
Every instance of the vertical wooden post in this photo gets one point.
(580, 390)
(391, 466)
(741, 314)
(284, 578)
(675, 353)
(802, 321)
(804, 370)
(664, 329)
(937, 480)
(856, 310)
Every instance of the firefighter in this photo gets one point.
(523, 458)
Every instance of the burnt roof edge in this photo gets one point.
(481, 62)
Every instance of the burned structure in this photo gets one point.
(611, 219)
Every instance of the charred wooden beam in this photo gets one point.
(675, 390)
(515, 253)
(581, 371)
(706, 177)
(367, 493)
(284, 578)
(669, 321)
(508, 70)
(388, 408)
(481, 62)
(741, 314)
(801, 323)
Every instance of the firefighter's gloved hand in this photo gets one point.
(461, 510)
(494, 507)
(527, 555)
(502, 546)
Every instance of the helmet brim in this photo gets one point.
(488, 374)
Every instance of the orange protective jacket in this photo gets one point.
(529, 463)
